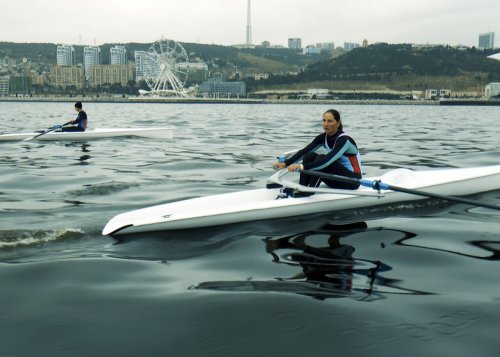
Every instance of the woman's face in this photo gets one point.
(330, 125)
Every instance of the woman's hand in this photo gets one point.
(295, 167)
(279, 165)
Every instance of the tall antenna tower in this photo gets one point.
(249, 26)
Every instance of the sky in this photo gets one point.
(223, 22)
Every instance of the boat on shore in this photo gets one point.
(90, 134)
(262, 204)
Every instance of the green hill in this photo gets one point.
(399, 67)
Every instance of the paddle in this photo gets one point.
(55, 127)
(378, 185)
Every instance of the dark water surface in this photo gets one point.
(413, 279)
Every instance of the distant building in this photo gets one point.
(295, 43)
(311, 50)
(197, 71)
(118, 55)
(65, 55)
(487, 40)
(444, 93)
(433, 94)
(492, 90)
(91, 57)
(260, 76)
(315, 93)
(101, 74)
(65, 76)
(217, 88)
(326, 46)
(145, 66)
(365, 43)
(38, 79)
(348, 46)
(4, 86)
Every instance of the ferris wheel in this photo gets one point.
(166, 71)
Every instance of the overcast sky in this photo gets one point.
(223, 22)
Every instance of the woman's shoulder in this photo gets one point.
(345, 136)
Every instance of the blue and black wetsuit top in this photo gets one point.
(340, 147)
(81, 120)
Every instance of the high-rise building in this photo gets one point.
(65, 55)
(4, 86)
(145, 66)
(487, 40)
(295, 43)
(118, 55)
(91, 56)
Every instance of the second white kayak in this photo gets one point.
(92, 134)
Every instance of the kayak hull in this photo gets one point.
(91, 134)
(260, 204)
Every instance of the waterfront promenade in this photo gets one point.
(138, 99)
(112, 99)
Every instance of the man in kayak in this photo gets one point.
(80, 121)
(342, 157)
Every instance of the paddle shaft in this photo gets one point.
(377, 185)
(48, 131)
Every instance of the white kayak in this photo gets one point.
(92, 134)
(261, 204)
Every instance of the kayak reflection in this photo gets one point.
(328, 266)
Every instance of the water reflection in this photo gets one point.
(477, 249)
(328, 266)
(85, 148)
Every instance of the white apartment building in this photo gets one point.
(145, 66)
(118, 55)
(65, 55)
(91, 56)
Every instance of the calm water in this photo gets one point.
(408, 280)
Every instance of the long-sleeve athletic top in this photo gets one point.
(81, 120)
(340, 147)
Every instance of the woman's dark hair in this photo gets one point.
(78, 105)
(336, 115)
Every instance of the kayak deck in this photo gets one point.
(261, 204)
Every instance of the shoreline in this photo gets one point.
(447, 102)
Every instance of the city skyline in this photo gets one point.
(224, 22)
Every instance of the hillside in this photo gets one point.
(399, 67)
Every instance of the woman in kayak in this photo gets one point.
(80, 121)
(342, 157)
